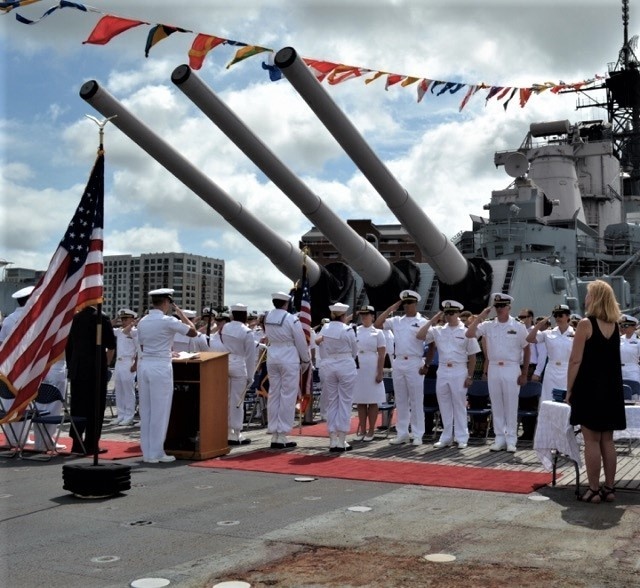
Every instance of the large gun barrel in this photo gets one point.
(457, 276)
(382, 280)
(287, 258)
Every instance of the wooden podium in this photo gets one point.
(199, 415)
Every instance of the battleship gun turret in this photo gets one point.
(382, 280)
(326, 287)
(468, 281)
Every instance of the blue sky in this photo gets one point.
(443, 157)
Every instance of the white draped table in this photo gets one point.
(555, 436)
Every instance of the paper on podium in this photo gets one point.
(186, 355)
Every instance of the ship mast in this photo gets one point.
(623, 106)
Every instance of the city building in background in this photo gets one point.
(392, 241)
(198, 281)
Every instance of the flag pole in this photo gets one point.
(97, 417)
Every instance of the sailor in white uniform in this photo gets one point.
(287, 354)
(558, 342)
(629, 348)
(8, 325)
(182, 343)
(339, 351)
(238, 340)
(408, 382)
(155, 374)
(124, 374)
(369, 390)
(508, 355)
(456, 364)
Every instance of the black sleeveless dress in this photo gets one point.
(597, 399)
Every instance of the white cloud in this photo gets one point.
(443, 158)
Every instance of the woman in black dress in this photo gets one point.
(594, 388)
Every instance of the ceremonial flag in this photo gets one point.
(245, 52)
(72, 281)
(320, 69)
(9, 6)
(158, 33)
(305, 320)
(61, 4)
(110, 26)
(423, 86)
(202, 44)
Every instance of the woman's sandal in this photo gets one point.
(592, 496)
(608, 494)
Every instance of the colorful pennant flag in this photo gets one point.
(110, 26)
(9, 6)
(246, 52)
(158, 33)
(61, 4)
(202, 44)
(320, 69)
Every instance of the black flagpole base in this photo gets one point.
(102, 480)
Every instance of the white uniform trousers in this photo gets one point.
(408, 390)
(155, 391)
(56, 376)
(338, 379)
(503, 392)
(284, 381)
(237, 386)
(452, 400)
(125, 389)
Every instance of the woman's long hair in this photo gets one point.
(602, 302)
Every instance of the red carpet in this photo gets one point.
(381, 470)
(115, 449)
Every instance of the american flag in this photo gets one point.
(305, 306)
(305, 320)
(72, 281)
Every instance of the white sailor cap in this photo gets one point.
(410, 296)
(629, 320)
(127, 313)
(206, 311)
(162, 292)
(253, 314)
(366, 310)
(190, 313)
(23, 292)
(238, 307)
(280, 296)
(222, 316)
(324, 321)
(575, 317)
(501, 299)
(452, 305)
(338, 308)
(561, 309)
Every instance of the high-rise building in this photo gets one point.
(198, 281)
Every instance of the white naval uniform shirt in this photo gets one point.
(156, 332)
(239, 342)
(10, 321)
(629, 357)
(287, 343)
(505, 341)
(404, 328)
(453, 346)
(125, 345)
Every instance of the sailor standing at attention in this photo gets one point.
(506, 345)
(287, 354)
(629, 349)
(126, 366)
(238, 340)
(155, 374)
(407, 381)
(456, 364)
(339, 373)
